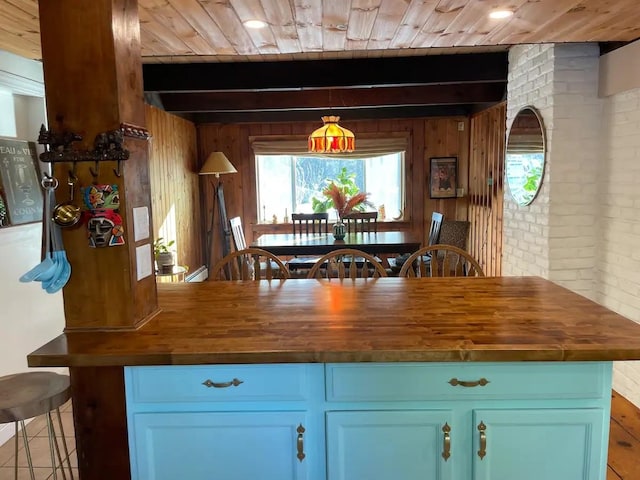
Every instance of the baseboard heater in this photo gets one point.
(198, 275)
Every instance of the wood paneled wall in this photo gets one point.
(175, 186)
(182, 201)
(486, 187)
(428, 137)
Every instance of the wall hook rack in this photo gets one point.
(107, 146)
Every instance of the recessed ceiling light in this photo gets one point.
(499, 14)
(255, 24)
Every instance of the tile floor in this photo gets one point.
(39, 446)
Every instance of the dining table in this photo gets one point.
(388, 242)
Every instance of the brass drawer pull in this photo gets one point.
(300, 443)
(463, 383)
(235, 382)
(483, 440)
(446, 447)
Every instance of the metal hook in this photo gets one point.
(117, 170)
(95, 172)
(48, 181)
(73, 173)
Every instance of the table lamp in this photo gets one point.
(216, 164)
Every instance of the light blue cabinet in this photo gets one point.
(531, 444)
(374, 421)
(226, 446)
(386, 445)
(225, 422)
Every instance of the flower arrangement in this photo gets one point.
(343, 203)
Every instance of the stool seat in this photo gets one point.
(29, 394)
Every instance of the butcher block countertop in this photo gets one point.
(501, 319)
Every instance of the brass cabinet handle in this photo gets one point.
(300, 443)
(463, 383)
(235, 382)
(446, 447)
(483, 440)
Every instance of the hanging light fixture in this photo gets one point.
(331, 137)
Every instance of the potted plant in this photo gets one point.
(345, 181)
(164, 256)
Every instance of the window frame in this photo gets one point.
(297, 145)
(287, 165)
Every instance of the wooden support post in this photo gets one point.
(93, 80)
(100, 419)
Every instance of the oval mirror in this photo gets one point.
(525, 156)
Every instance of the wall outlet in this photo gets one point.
(461, 126)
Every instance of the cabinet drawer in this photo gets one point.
(359, 382)
(218, 383)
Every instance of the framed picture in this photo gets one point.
(20, 190)
(443, 177)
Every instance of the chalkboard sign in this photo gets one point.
(20, 187)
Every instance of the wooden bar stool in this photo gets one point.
(27, 395)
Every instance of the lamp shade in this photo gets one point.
(332, 138)
(217, 163)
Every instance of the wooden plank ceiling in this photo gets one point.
(212, 32)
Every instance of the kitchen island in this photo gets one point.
(456, 371)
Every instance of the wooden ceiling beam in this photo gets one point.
(300, 74)
(347, 115)
(329, 98)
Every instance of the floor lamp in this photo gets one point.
(217, 163)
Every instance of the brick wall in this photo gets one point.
(555, 236)
(526, 229)
(576, 150)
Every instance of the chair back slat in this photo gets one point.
(306, 223)
(347, 263)
(238, 233)
(250, 264)
(361, 222)
(434, 229)
(441, 261)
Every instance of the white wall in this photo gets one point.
(588, 212)
(29, 317)
(618, 266)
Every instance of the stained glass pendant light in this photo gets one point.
(331, 137)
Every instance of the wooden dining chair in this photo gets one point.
(361, 222)
(435, 226)
(305, 224)
(237, 231)
(250, 264)
(441, 261)
(347, 263)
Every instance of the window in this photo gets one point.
(288, 183)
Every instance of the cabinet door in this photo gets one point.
(389, 445)
(537, 444)
(219, 446)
